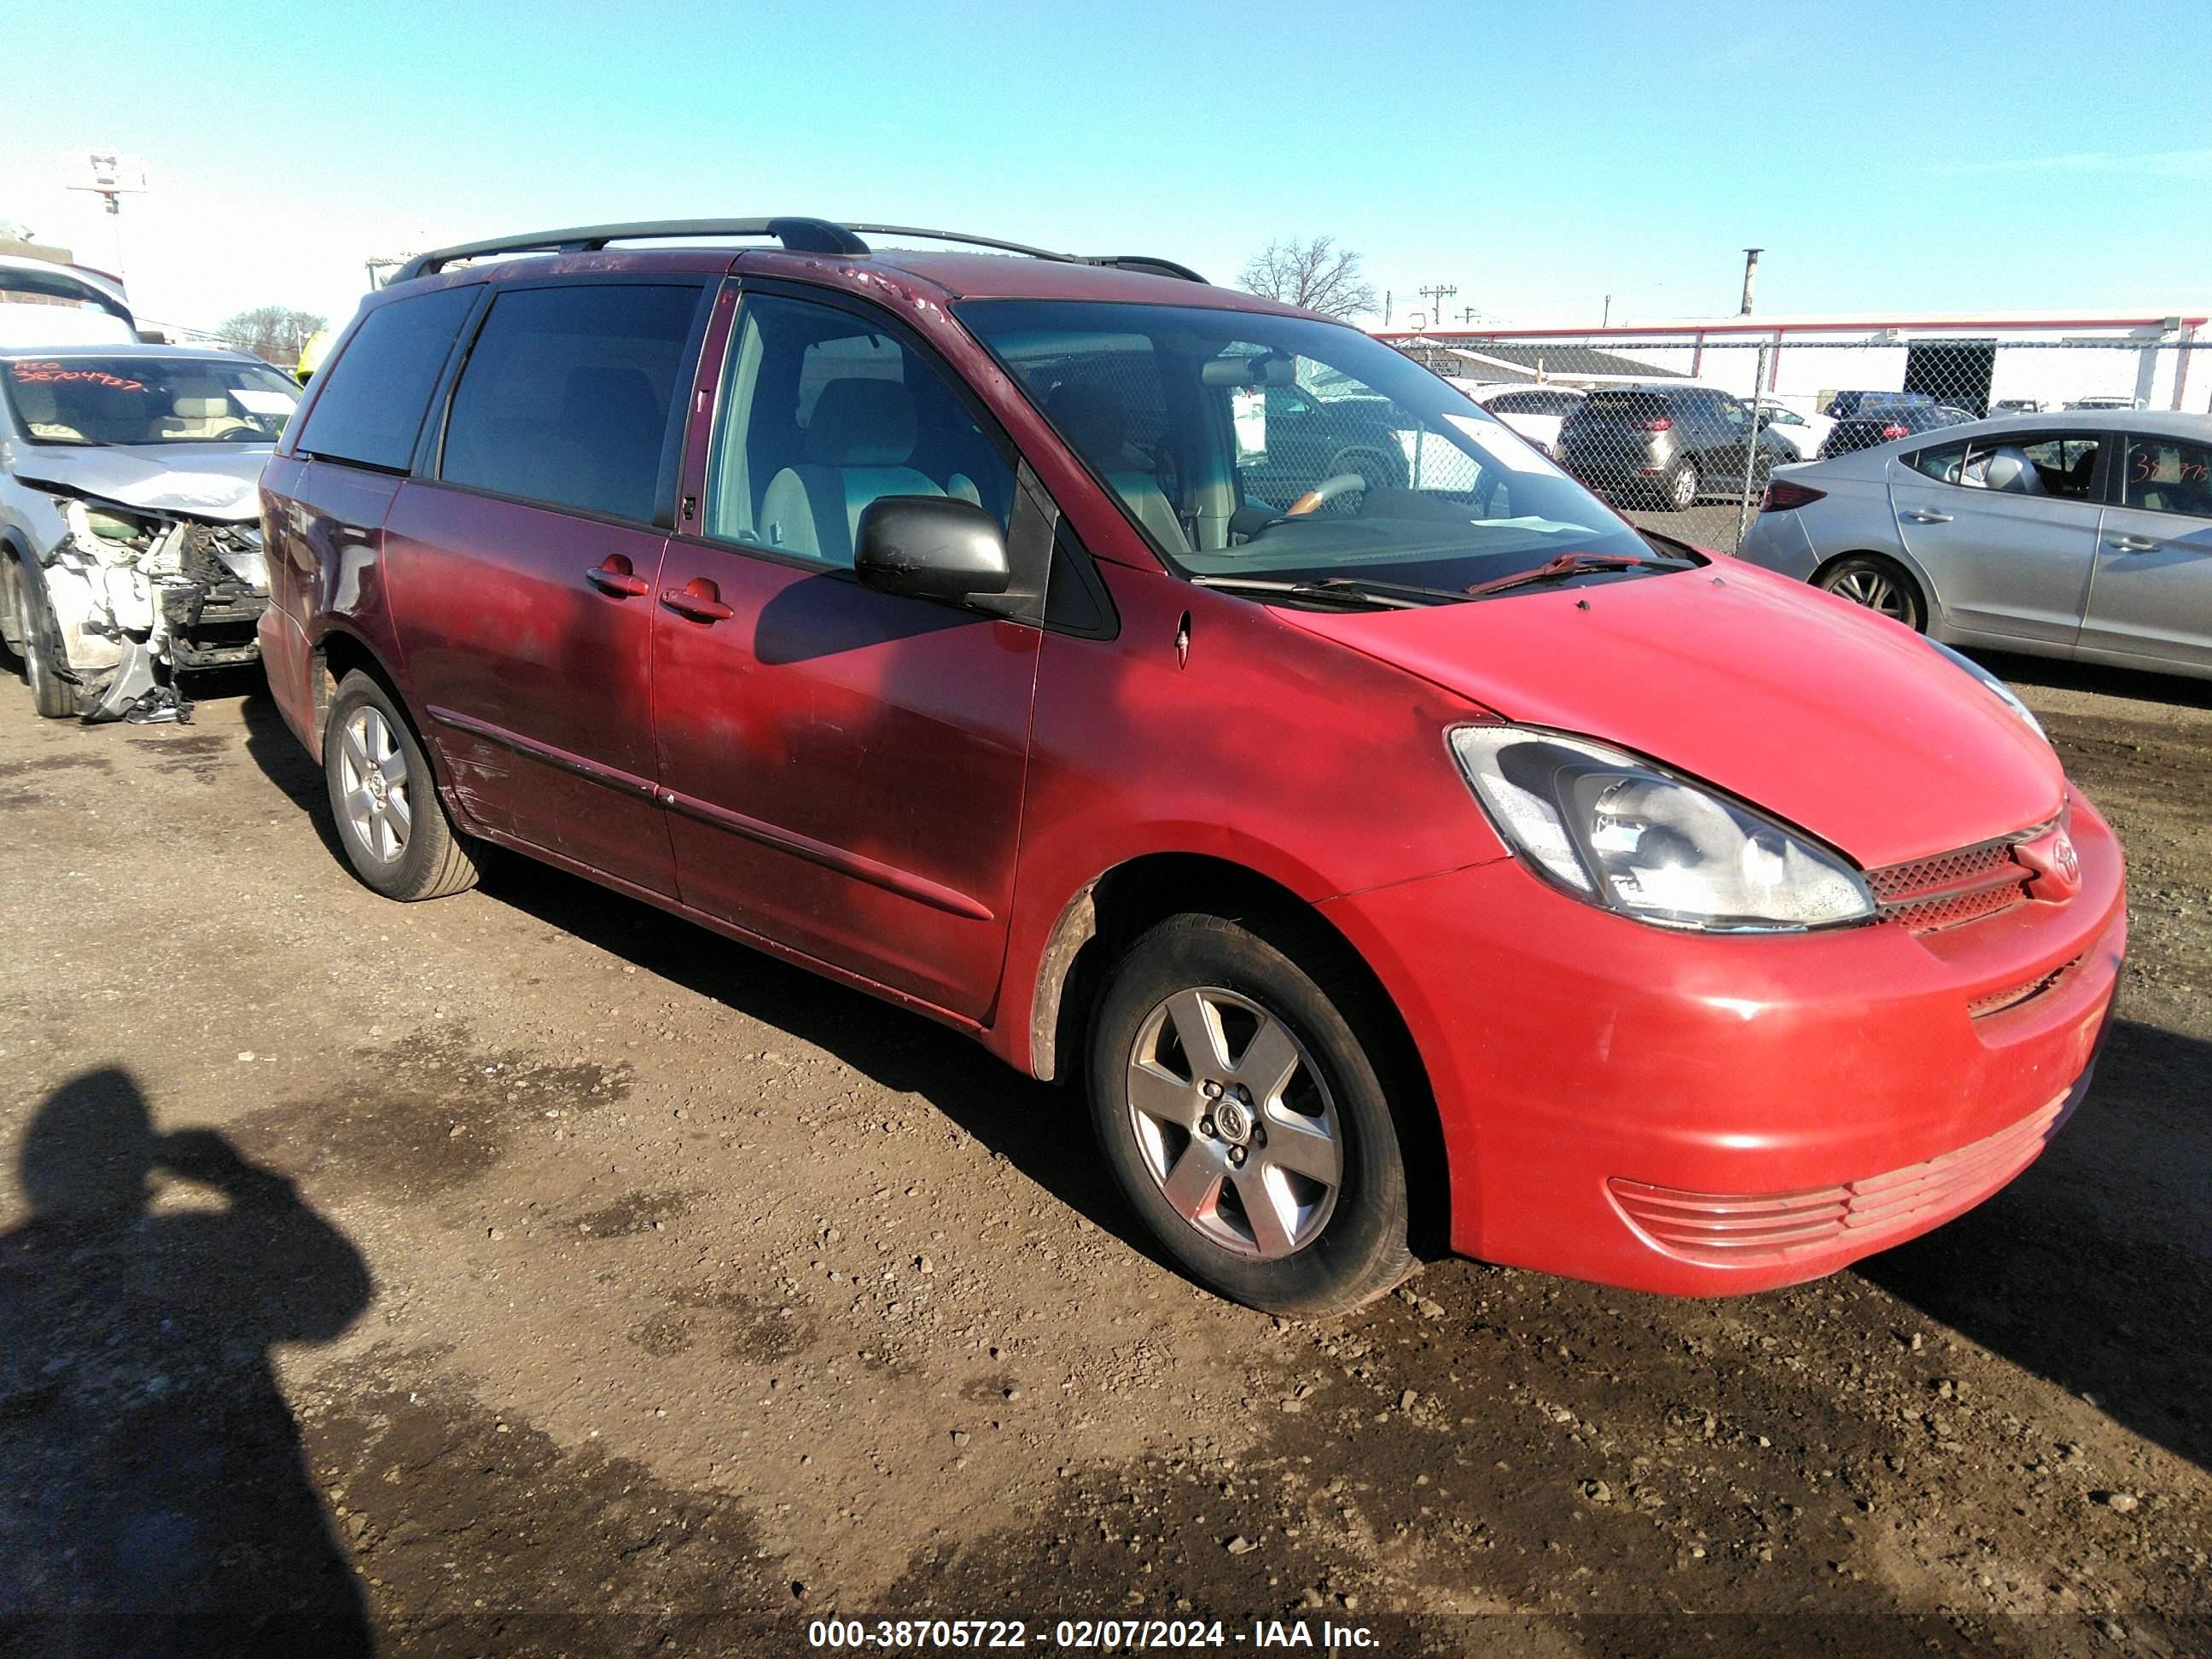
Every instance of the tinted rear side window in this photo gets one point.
(372, 407)
(570, 394)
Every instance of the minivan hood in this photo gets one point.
(205, 481)
(1828, 717)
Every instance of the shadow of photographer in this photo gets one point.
(153, 1494)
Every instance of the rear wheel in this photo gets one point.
(1879, 584)
(1678, 489)
(391, 823)
(1245, 1121)
(44, 658)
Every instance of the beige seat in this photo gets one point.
(859, 444)
(36, 407)
(202, 414)
(1092, 419)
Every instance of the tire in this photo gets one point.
(384, 797)
(54, 696)
(1303, 1124)
(1677, 490)
(1882, 586)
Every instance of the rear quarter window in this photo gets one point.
(371, 407)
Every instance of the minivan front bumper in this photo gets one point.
(1699, 1114)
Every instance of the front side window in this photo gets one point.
(570, 397)
(372, 400)
(2167, 474)
(91, 401)
(824, 412)
(1248, 445)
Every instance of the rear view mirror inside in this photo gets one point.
(1266, 368)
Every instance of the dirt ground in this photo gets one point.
(527, 1272)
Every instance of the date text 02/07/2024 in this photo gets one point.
(1125, 1634)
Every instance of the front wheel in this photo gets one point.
(53, 694)
(1879, 586)
(1246, 1122)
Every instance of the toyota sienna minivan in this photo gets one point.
(1401, 851)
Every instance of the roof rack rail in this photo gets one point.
(1144, 262)
(797, 235)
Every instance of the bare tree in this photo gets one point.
(1315, 273)
(272, 333)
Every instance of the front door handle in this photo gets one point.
(614, 576)
(2133, 543)
(1922, 515)
(699, 599)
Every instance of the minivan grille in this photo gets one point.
(1744, 1229)
(1951, 888)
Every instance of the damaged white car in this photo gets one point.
(130, 551)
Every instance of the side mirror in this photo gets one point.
(930, 547)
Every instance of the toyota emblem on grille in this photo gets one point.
(2057, 864)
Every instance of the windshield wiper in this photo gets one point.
(1349, 591)
(1566, 565)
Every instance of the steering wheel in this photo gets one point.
(1327, 490)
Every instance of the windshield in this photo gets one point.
(92, 401)
(1294, 452)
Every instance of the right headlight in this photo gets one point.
(1623, 833)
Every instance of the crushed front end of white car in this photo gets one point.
(139, 594)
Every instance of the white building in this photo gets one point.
(1974, 361)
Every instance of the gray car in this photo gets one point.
(129, 542)
(2082, 534)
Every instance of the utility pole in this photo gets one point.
(115, 176)
(1607, 321)
(1750, 277)
(1438, 294)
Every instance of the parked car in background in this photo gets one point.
(1803, 433)
(42, 303)
(1442, 860)
(129, 551)
(1884, 423)
(2005, 406)
(1667, 445)
(1846, 404)
(1533, 411)
(2103, 400)
(2068, 534)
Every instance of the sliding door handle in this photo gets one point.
(1922, 515)
(699, 599)
(2132, 543)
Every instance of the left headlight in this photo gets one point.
(1621, 832)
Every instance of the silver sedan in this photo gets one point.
(2084, 534)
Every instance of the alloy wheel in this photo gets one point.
(1865, 584)
(373, 773)
(1235, 1122)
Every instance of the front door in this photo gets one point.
(843, 770)
(2152, 598)
(524, 574)
(2007, 528)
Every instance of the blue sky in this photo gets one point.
(1935, 157)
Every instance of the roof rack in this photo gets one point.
(797, 235)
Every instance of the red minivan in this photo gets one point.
(1194, 697)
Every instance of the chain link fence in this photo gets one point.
(1682, 434)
